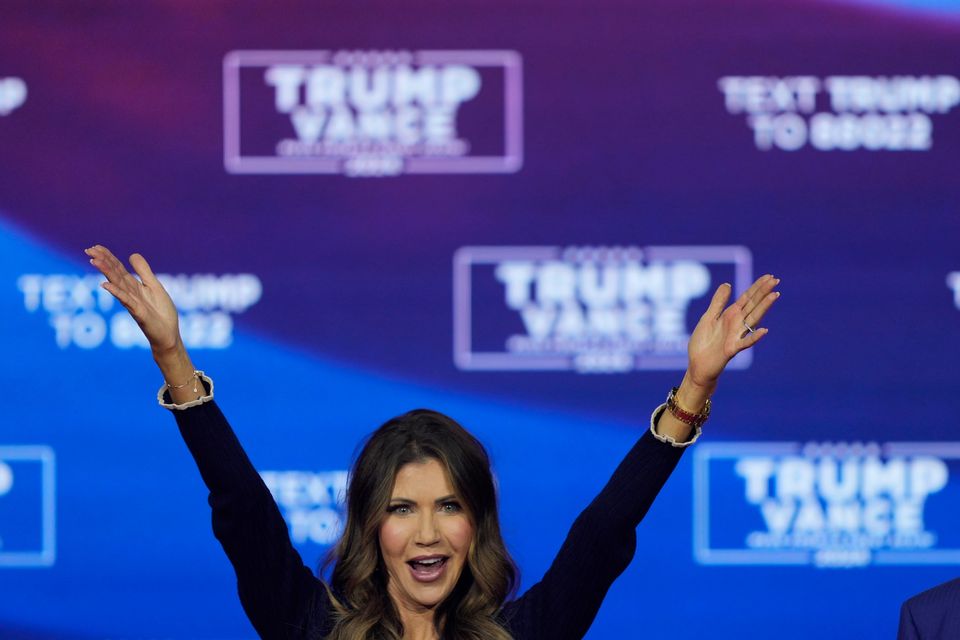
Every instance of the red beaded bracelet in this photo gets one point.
(695, 420)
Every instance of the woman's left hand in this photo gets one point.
(723, 332)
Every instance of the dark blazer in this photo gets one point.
(933, 614)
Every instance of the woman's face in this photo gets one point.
(425, 537)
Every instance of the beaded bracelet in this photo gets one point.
(695, 420)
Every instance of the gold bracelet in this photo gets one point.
(195, 379)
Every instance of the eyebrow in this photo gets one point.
(437, 501)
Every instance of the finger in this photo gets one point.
(756, 315)
(104, 266)
(96, 261)
(96, 250)
(101, 253)
(118, 267)
(760, 294)
(719, 301)
(125, 298)
(751, 339)
(749, 293)
(139, 264)
(108, 264)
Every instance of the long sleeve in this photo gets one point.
(279, 593)
(600, 545)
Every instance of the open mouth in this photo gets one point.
(427, 569)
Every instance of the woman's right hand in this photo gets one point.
(145, 299)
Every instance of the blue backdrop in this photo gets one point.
(512, 213)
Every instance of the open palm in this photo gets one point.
(145, 299)
(723, 332)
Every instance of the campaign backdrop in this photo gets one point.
(513, 213)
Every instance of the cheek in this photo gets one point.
(393, 539)
(459, 533)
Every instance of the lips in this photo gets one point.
(427, 568)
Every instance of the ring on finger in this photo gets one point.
(749, 328)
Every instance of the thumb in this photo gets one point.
(139, 264)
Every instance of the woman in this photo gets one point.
(421, 557)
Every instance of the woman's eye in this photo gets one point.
(399, 509)
(450, 507)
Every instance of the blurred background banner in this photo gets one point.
(513, 213)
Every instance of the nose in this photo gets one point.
(427, 532)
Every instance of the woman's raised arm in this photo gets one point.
(602, 541)
(278, 592)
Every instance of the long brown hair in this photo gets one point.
(363, 610)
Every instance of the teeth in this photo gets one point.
(428, 562)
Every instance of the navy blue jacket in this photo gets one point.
(933, 614)
(283, 598)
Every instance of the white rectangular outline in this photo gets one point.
(705, 555)
(510, 162)
(47, 554)
(468, 360)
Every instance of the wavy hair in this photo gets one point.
(363, 610)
